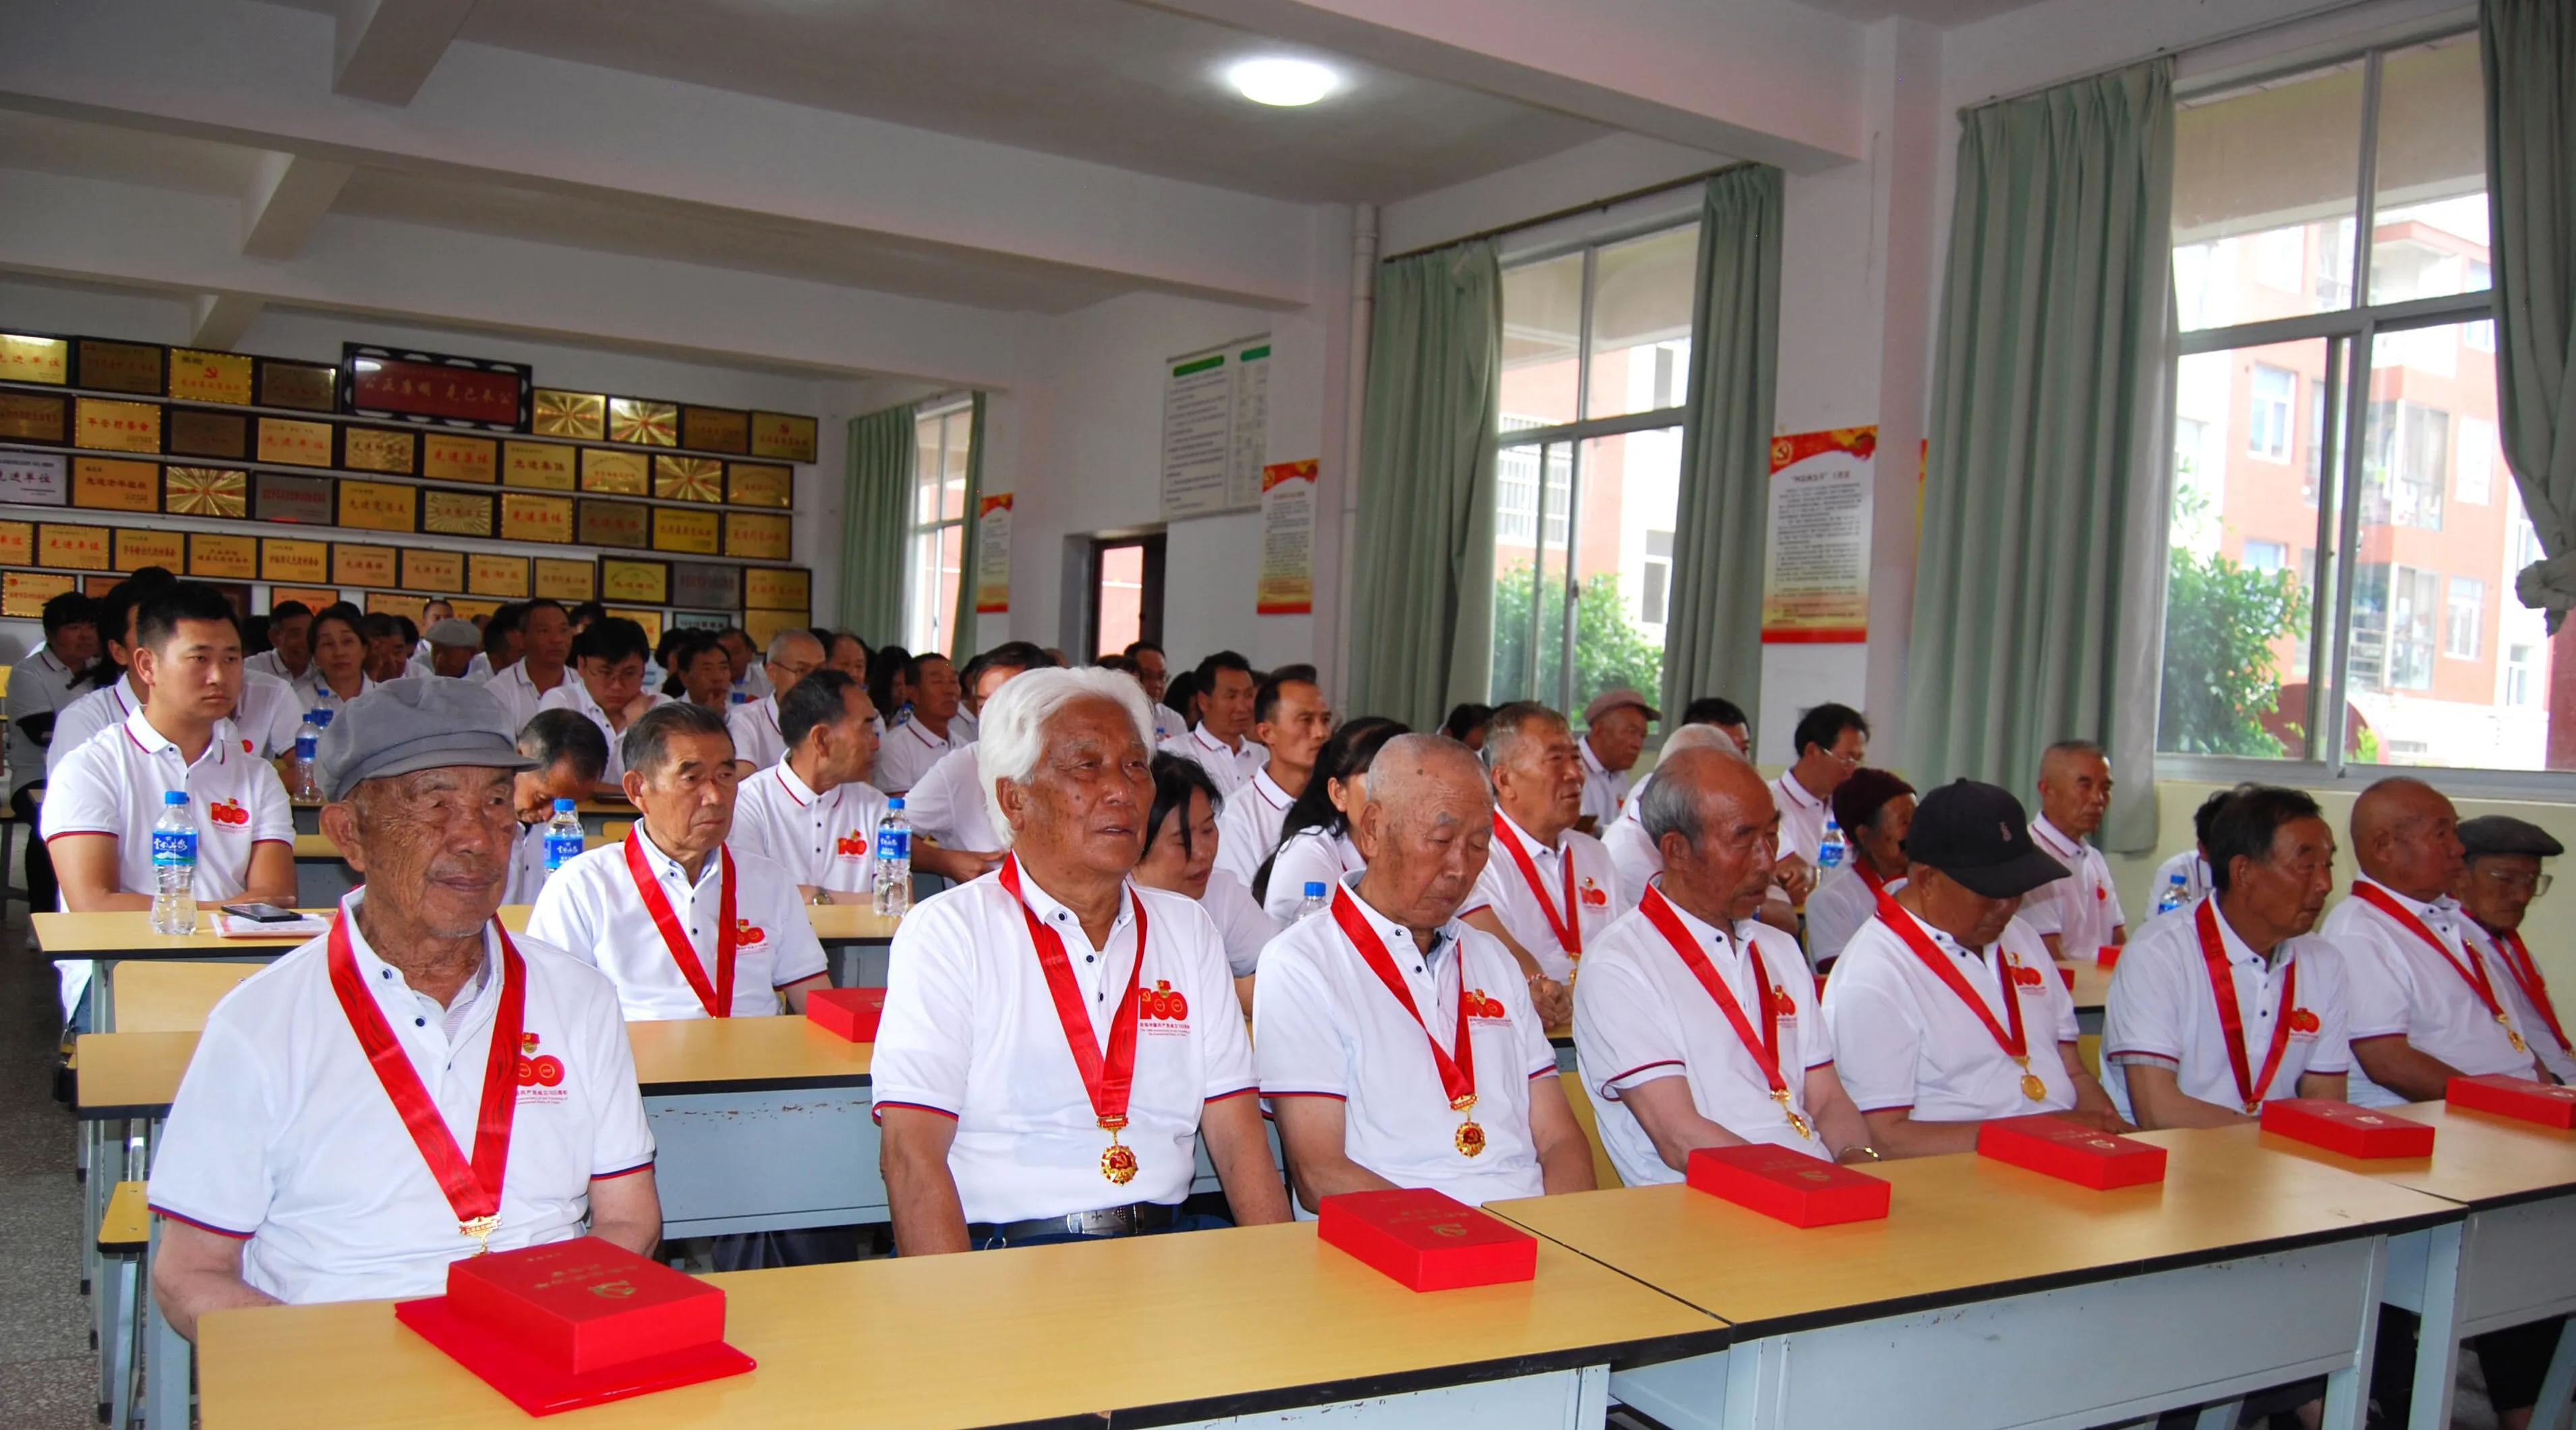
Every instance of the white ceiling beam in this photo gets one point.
(170, 241)
(287, 198)
(383, 49)
(218, 320)
(249, 73)
(1756, 79)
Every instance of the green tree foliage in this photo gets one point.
(2220, 680)
(1609, 651)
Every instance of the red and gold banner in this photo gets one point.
(423, 385)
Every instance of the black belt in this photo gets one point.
(1128, 1220)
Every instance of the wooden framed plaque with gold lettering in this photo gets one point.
(640, 423)
(546, 466)
(25, 357)
(304, 386)
(294, 559)
(696, 533)
(137, 548)
(622, 525)
(105, 484)
(356, 564)
(610, 472)
(222, 557)
(197, 432)
(313, 597)
(761, 625)
(303, 501)
(557, 413)
(447, 457)
(759, 484)
(624, 578)
(72, 548)
(205, 491)
(295, 442)
(650, 620)
(688, 479)
(17, 543)
(782, 435)
(197, 376)
(777, 588)
(469, 608)
(456, 513)
(759, 536)
(716, 429)
(119, 367)
(503, 576)
(380, 506)
(23, 594)
(559, 579)
(118, 426)
(535, 518)
(378, 449)
(35, 417)
(440, 571)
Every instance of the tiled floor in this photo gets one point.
(48, 1375)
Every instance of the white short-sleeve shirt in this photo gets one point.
(1324, 1025)
(1248, 830)
(518, 693)
(1605, 791)
(1632, 854)
(2395, 985)
(1640, 1014)
(90, 711)
(1837, 910)
(592, 908)
(1802, 818)
(315, 693)
(971, 1032)
(1230, 768)
(756, 736)
(573, 695)
(283, 1136)
(2082, 909)
(910, 749)
(1168, 724)
(1902, 1039)
(270, 662)
(1240, 922)
(949, 805)
(269, 714)
(38, 685)
(2553, 1054)
(2196, 882)
(824, 840)
(2162, 1009)
(528, 871)
(1314, 856)
(1505, 890)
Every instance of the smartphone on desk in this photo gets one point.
(262, 913)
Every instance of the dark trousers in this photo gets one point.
(43, 894)
(2514, 1360)
(1187, 1222)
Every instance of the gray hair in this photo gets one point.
(1504, 735)
(779, 643)
(1668, 806)
(647, 743)
(1011, 736)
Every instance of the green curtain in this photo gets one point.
(883, 451)
(1422, 613)
(2045, 429)
(1713, 645)
(961, 633)
(2529, 47)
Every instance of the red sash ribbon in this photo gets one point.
(1457, 1073)
(2526, 974)
(717, 1000)
(2473, 973)
(2231, 1022)
(1569, 929)
(1107, 1076)
(1766, 1049)
(2016, 1041)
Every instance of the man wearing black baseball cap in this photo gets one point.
(1946, 1011)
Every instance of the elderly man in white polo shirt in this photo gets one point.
(2079, 915)
(758, 742)
(105, 797)
(1632, 853)
(2496, 888)
(683, 924)
(1058, 1039)
(1227, 688)
(1614, 735)
(1548, 887)
(415, 1086)
(1831, 741)
(932, 729)
(1695, 1024)
(2169, 1058)
(1397, 1045)
(545, 645)
(1945, 1010)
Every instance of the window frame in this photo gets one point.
(940, 412)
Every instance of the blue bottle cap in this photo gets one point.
(174, 797)
(563, 806)
(1314, 888)
(894, 802)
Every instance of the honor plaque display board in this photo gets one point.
(440, 571)
(568, 581)
(285, 559)
(621, 579)
(503, 576)
(707, 587)
(109, 485)
(34, 479)
(535, 518)
(35, 417)
(305, 501)
(379, 506)
(353, 564)
(776, 588)
(223, 558)
(206, 491)
(209, 377)
(196, 432)
(23, 594)
(29, 358)
(117, 426)
(72, 548)
(137, 548)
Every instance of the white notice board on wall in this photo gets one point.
(1216, 429)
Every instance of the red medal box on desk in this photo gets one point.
(2516, 1097)
(576, 1323)
(850, 1012)
(1787, 1185)
(2342, 1127)
(2061, 1147)
(1427, 1241)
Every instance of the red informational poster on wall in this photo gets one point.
(1287, 539)
(993, 554)
(1815, 582)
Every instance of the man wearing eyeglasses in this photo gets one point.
(1831, 741)
(2498, 880)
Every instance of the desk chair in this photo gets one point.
(124, 1241)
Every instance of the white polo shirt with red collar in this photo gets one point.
(1605, 791)
(971, 1032)
(593, 907)
(2082, 909)
(822, 840)
(2399, 986)
(2163, 1010)
(910, 750)
(1641, 1013)
(1507, 889)
(573, 695)
(518, 692)
(91, 711)
(283, 1137)
(2528, 993)
(756, 736)
(38, 685)
(1903, 1039)
(1231, 769)
(1313, 855)
(1802, 817)
(1248, 830)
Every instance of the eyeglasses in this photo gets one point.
(2509, 880)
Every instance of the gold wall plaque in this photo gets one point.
(557, 413)
(762, 625)
(716, 429)
(640, 423)
(118, 426)
(294, 442)
(624, 579)
(107, 485)
(26, 358)
(456, 513)
(614, 473)
(304, 386)
(196, 432)
(17, 543)
(782, 435)
(777, 588)
(72, 548)
(535, 518)
(137, 548)
(34, 417)
(197, 376)
(502, 576)
(379, 506)
(234, 558)
(442, 571)
(313, 597)
(353, 564)
(562, 580)
(206, 491)
(624, 524)
(759, 484)
(294, 559)
(378, 449)
(450, 458)
(546, 466)
(120, 367)
(688, 479)
(651, 621)
(393, 603)
(678, 529)
(23, 594)
(468, 608)
(759, 536)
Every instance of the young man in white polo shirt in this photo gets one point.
(40, 688)
(2079, 915)
(1695, 1024)
(545, 637)
(2214, 1014)
(289, 656)
(1227, 685)
(1057, 1039)
(296, 1167)
(608, 661)
(1292, 720)
(683, 925)
(569, 755)
(1945, 1010)
(1831, 741)
(2425, 1005)
(948, 806)
(1397, 1045)
(813, 813)
(109, 691)
(758, 742)
(912, 747)
(105, 797)
(1548, 888)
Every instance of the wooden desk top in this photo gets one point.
(2092, 987)
(2479, 1159)
(131, 1074)
(850, 923)
(127, 933)
(1964, 1228)
(981, 1338)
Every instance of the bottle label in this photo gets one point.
(561, 848)
(305, 745)
(174, 846)
(894, 844)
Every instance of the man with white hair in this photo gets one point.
(1058, 1039)
(758, 740)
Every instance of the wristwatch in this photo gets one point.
(1873, 1154)
(821, 898)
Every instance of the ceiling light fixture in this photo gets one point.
(1283, 82)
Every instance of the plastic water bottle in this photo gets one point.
(2176, 894)
(1316, 898)
(308, 743)
(893, 874)
(1831, 849)
(563, 836)
(174, 867)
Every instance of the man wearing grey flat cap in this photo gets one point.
(415, 1086)
(2498, 881)
(452, 645)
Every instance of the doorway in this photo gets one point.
(1125, 580)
